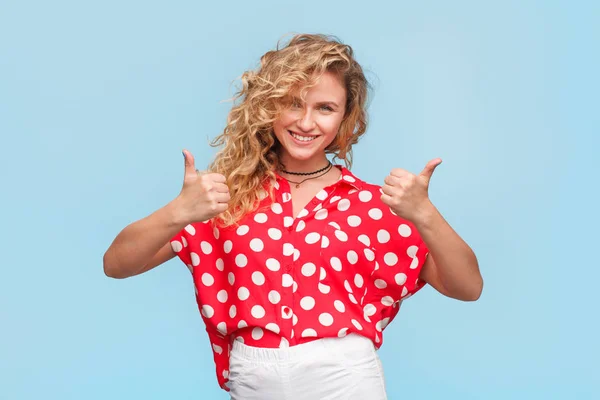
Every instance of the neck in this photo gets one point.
(304, 165)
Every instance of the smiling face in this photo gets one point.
(306, 128)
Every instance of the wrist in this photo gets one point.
(426, 216)
(175, 215)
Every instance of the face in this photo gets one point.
(306, 129)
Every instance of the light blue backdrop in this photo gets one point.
(97, 99)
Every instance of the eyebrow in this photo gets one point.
(333, 103)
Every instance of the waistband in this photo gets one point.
(299, 351)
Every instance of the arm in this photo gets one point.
(451, 267)
(143, 244)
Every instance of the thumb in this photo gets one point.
(429, 168)
(189, 163)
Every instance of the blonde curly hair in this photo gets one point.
(249, 155)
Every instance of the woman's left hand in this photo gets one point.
(407, 194)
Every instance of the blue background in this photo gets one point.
(98, 98)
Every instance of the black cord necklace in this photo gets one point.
(308, 173)
(326, 169)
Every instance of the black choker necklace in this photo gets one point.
(308, 173)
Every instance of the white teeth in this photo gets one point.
(302, 138)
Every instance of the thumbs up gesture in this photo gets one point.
(407, 194)
(203, 195)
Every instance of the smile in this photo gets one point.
(302, 138)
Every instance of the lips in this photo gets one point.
(302, 138)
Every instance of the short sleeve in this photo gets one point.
(405, 253)
(186, 243)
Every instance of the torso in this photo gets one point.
(302, 195)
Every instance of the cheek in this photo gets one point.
(331, 125)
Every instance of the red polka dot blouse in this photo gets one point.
(343, 265)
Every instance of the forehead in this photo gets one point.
(327, 87)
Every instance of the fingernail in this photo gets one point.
(183, 154)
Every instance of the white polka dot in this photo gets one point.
(339, 306)
(412, 251)
(404, 230)
(349, 178)
(287, 280)
(273, 264)
(369, 310)
(324, 288)
(364, 239)
(358, 281)
(352, 257)
(380, 284)
(184, 241)
(312, 238)
(354, 221)
(365, 196)
(208, 311)
(302, 213)
(380, 326)
(225, 374)
(404, 291)
(286, 196)
(301, 225)
(258, 278)
(261, 218)
(232, 311)
(242, 230)
(334, 199)
(357, 324)
(243, 293)
(296, 254)
(383, 236)
(390, 259)
(294, 287)
(414, 263)
(176, 246)
(326, 319)
(342, 332)
(343, 205)
(323, 274)
(341, 235)
(257, 333)
(400, 278)
(335, 225)
(322, 195)
(288, 249)
(375, 213)
(220, 264)
(324, 242)
(190, 229)
(241, 260)
(242, 324)
(216, 233)
(257, 245)
(276, 208)
(321, 214)
(369, 254)
(222, 328)
(272, 327)
(206, 247)
(309, 333)
(347, 286)
(387, 301)
(284, 343)
(207, 279)
(217, 349)
(258, 312)
(227, 246)
(274, 233)
(307, 303)
(308, 269)
(336, 264)
(288, 221)
(274, 297)
(195, 259)
(352, 298)
(231, 278)
(222, 296)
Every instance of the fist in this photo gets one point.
(407, 194)
(203, 195)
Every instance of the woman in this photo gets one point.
(298, 264)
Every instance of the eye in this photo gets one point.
(296, 103)
(326, 108)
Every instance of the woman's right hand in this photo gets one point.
(203, 195)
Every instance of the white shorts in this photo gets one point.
(345, 368)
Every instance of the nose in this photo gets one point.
(306, 122)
